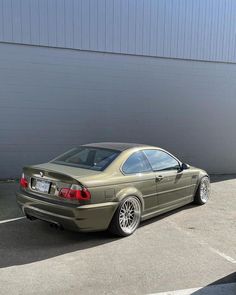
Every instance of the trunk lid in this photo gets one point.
(48, 179)
(73, 172)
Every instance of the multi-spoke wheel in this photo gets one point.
(127, 217)
(203, 191)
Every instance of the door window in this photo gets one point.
(160, 160)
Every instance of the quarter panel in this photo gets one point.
(142, 185)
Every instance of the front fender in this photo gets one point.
(202, 173)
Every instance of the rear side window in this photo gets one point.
(136, 163)
(160, 160)
(88, 158)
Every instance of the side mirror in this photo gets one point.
(184, 166)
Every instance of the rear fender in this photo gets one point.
(127, 192)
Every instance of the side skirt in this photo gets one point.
(169, 207)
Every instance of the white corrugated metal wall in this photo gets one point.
(52, 99)
(187, 29)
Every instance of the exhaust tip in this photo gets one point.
(31, 218)
(56, 225)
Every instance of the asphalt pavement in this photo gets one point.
(191, 250)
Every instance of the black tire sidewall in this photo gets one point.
(198, 199)
(115, 227)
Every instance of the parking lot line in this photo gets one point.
(221, 289)
(10, 220)
(203, 243)
(230, 259)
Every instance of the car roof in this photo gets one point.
(119, 146)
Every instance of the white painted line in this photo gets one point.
(222, 289)
(10, 220)
(230, 259)
(203, 243)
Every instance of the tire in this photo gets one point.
(126, 218)
(203, 192)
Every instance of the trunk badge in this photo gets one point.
(41, 174)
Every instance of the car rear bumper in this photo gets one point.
(86, 218)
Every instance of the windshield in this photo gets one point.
(87, 157)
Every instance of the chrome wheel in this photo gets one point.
(205, 190)
(129, 215)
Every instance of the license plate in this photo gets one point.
(42, 186)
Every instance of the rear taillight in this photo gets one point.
(23, 181)
(75, 193)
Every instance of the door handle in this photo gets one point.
(159, 178)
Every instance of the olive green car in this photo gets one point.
(112, 186)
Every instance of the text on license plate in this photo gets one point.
(42, 186)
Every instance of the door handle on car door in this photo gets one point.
(159, 178)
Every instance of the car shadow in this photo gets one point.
(25, 241)
(165, 215)
(214, 287)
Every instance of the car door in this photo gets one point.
(139, 174)
(173, 185)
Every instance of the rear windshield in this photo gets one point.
(87, 157)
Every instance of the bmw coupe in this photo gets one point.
(112, 186)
